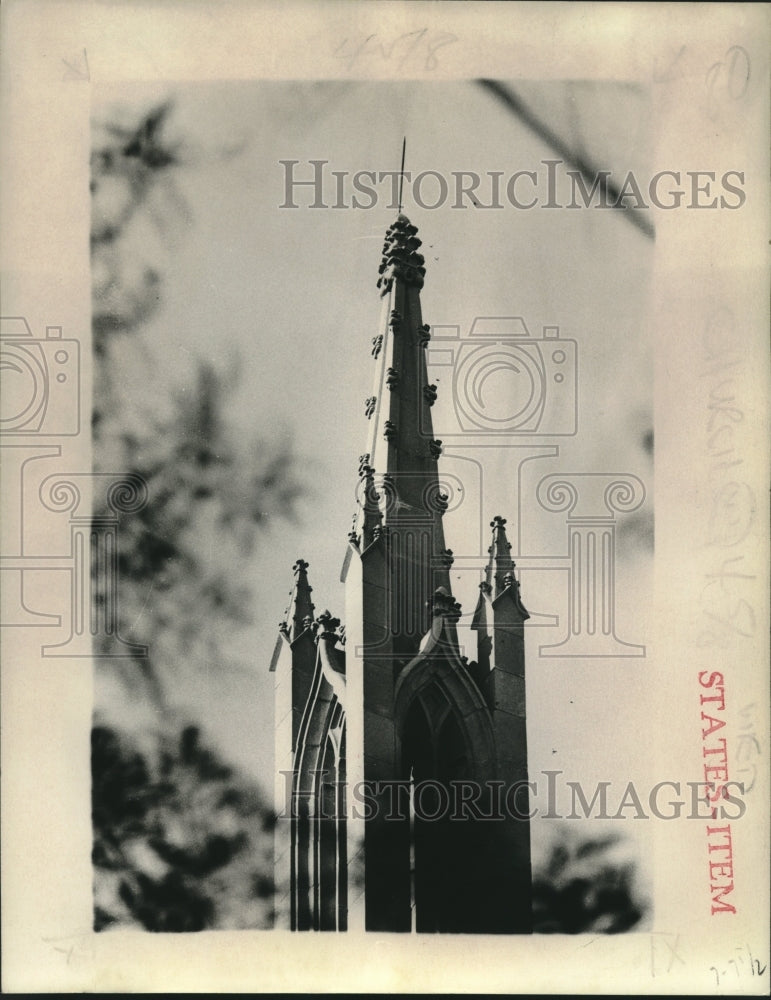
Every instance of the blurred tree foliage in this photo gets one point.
(133, 162)
(186, 557)
(211, 488)
(181, 840)
(587, 886)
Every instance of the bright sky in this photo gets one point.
(293, 293)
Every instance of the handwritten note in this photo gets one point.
(412, 49)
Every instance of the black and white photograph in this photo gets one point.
(384, 436)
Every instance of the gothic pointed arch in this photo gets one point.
(319, 834)
(445, 741)
(439, 681)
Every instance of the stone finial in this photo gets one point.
(327, 626)
(442, 604)
(500, 567)
(379, 531)
(300, 608)
(370, 502)
(371, 494)
(400, 256)
(501, 544)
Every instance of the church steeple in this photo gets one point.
(399, 705)
(400, 494)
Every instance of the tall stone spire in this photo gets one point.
(401, 441)
(499, 574)
(500, 614)
(400, 495)
(300, 611)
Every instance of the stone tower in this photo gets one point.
(402, 768)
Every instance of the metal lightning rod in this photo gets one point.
(401, 172)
